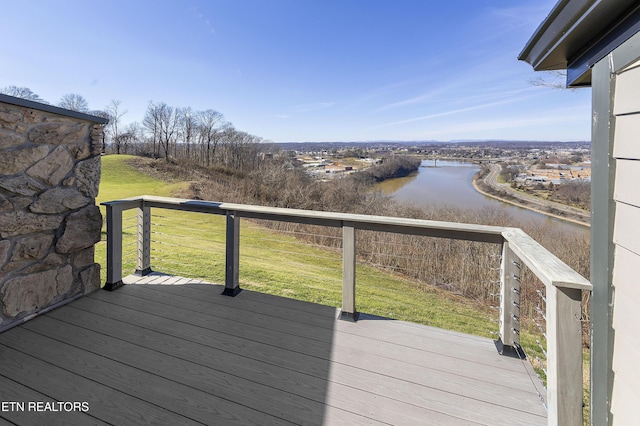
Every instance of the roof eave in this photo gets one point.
(578, 33)
(542, 49)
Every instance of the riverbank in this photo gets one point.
(516, 199)
(391, 168)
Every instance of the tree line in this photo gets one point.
(391, 167)
(201, 137)
(173, 133)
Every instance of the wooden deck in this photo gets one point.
(153, 353)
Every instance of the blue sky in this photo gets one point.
(300, 70)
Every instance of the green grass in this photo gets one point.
(119, 180)
(193, 245)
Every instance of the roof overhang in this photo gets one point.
(50, 108)
(578, 33)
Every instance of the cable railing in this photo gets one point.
(563, 287)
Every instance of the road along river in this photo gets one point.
(449, 184)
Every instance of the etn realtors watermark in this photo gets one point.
(44, 406)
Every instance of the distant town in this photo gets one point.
(524, 163)
(549, 177)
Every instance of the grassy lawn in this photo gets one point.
(119, 180)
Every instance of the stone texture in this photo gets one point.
(18, 160)
(58, 133)
(80, 151)
(48, 220)
(19, 202)
(9, 140)
(82, 230)
(32, 247)
(87, 175)
(9, 118)
(25, 223)
(22, 185)
(59, 200)
(27, 294)
(90, 278)
(31, 116)
(54, 167)
(50, 118)
(97, 139)
(5, 245)
(12, 204)
(53, 260)
(29, 253)
(5, 204)
(83, 258)
(64, 279)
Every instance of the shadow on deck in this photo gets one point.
(185, 354)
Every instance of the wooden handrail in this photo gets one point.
(544, 264)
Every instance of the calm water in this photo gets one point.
(449, 184)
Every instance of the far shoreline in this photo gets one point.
(524, 206)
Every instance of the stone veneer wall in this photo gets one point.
(49, 223)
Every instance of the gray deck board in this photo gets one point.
(163, 353)
(24, 415)
(400, 333)
(106, 403)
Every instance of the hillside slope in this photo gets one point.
(193, 245)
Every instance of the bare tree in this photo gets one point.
(130, 136)
(167, 120)
(115, 114)
(240, 149)
(555, 79)
(210, 127)
(74, 102)
(188, 127)
(22, 92)
(151, 123)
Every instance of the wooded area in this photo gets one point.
(169, 132)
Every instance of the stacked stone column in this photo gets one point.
(49, 221)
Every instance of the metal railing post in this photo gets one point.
(509, 341)
(143, 261)
(348, 311)
(564, 356)
(231, 281)
(114, 248)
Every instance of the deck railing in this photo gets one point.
(563, 285)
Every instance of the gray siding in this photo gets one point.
(627, 145)
(627, 179)
(626, 272)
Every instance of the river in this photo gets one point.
(449, 183)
